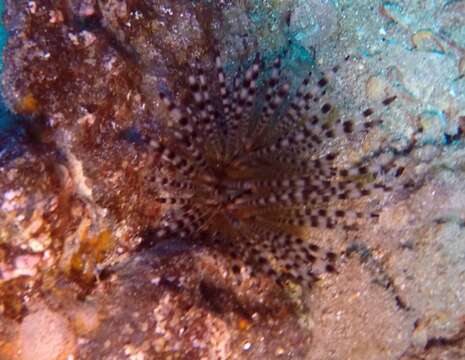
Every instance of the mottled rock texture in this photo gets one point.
(76, 199)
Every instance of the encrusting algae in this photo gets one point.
(267, 177)
(247, 165)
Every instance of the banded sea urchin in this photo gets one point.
(247, 165)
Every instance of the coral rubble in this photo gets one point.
(88, 181)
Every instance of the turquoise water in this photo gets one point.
(2, 33)
(5, 118)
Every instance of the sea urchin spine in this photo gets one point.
(246, 165)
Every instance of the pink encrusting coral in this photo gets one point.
(246, 165)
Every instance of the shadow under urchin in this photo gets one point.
(245, 164)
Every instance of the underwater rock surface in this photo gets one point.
(76, 200)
